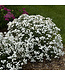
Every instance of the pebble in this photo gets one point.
(63, 59)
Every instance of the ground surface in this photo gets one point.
(55, 64)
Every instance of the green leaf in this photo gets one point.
(2, 9)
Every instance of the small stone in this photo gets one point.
(63, 59)
(64, 64)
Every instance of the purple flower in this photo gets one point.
(9, 15)
(19, 10)
(5, 8)
(13, 17)
(23, 8)
(25, 12)
(6, 19)
(0, 7)
(4, 16)
(8, 10)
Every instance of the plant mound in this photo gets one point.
(32, 38)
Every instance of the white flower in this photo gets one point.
(21, 63)
(25, 61)
(3, 61)
(8, 65)
(30, 38)
(32, 60)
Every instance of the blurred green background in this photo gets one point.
(55, 12)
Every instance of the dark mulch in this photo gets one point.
(3, 30)
(55, 64)
(58, 64)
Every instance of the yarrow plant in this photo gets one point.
(8, 15)
(24, 11)
(32, 38)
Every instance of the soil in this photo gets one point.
(55, 64)
(3, 30)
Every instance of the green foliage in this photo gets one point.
(3, 23)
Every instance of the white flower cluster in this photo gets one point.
(32, 38)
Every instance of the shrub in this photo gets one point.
(32, 38)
